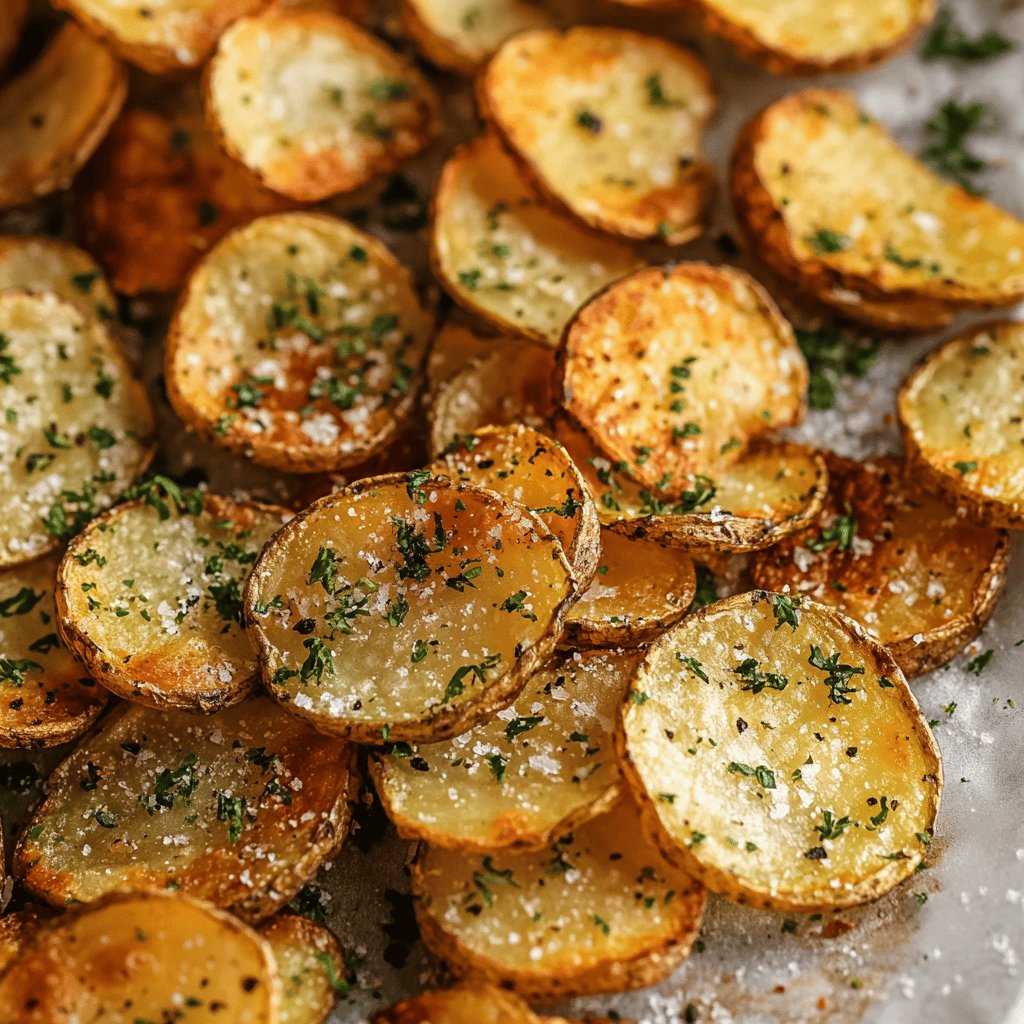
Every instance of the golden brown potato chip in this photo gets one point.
(821, 191)
(479, 1003)
(77, 425)
(54, 114)
(600, 910)
(920, 578)
(332, 108)
(46, 697)
(781, 756)
(135, 957)
(298, 341)
(608, 125)
(310, 967)
(406, 607)
(158, 194)
(150, 598)
(526, 776)
(455, 346)
(239, 808)
(12, 18)
(506, 257)
(671, 371)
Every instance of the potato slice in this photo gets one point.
(920, 578)
(158, 194)
(481, 1004)
(600, 910)
(12, 20)
(77, 425)
(239, 808)
(524, 777)
(150, 598)
(960, 414)
(503, 255)
(45, 696)
(310, 967)
(528, 467)
(17, 928)
(805, 37)
(455, 346)
(512, 385)
(298, 341)
(406, 607)
(640, 589)
(332, 108)
(135, 957)
(608, 125)
(781, 755)
(54, 114)
(821, 192)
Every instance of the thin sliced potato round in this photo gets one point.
(526, 776)
(12, 19)
(481, 1004)
(513, 385)
(45, 696)
(78, 426)
(314, 105)
(787, 766)
(310, 967)
(608, 125)
(239, 808)
(54, 114)
(920, 578)
(406, 607)
(528, 467)
(821, 192)
(961, 413)
(600, 910)
(135, 957)
(504, 256)
(150, 599)
(807, 37)
(673, 370)
(640, 589)
(298, 341)
(455, 346)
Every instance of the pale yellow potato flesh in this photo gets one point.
(239, 808)
(78, 426)
(600, 910)
(135, 957)
(771, 784)
(310, 967)
(153, 606)
(523, 778)
(394, 609)
(46, 697)
(504, 255)
(961, 413)
(314, 105)
(608, 123)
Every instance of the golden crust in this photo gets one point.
(310, 967)
(12, 20)
(17, 928)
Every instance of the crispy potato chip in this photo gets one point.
(481, 1004)
(781, 755)
(960, 413)
(640, 589)
(608, 125)
(455, 346)
(821, 191)
(78, 426)
(332, 108)
(406, 607)
(310, 967)
(239, 808)
(134, 957)
(523, 778)
(673, 370)
(12, 19)
(920, 578)
(614, 914)
(45, 696)
(54, 114)
(528, 467)
(158, 194)
(150, 599)
(504, 256)
(298, 341)
(807, 37)
(17, 928)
